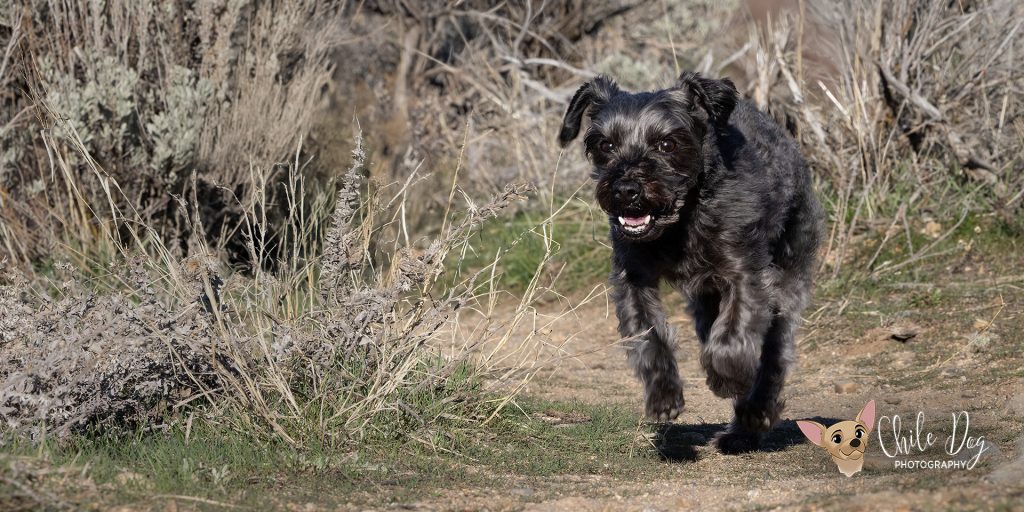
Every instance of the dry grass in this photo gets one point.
(325, 350)
(171, 151)
(167, 100)
(908, 111)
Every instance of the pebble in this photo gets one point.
(904, 332)
(1015, 404)
(522, 491)
(845, 387)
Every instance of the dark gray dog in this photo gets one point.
(708, 193)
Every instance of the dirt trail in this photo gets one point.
(954, 361)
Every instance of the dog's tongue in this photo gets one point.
(635, 221)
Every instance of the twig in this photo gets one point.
(195, 499)
(967, 159)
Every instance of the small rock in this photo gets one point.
(1009, 472)
(845, 387)
(902, 332)
(980, 342)
(1015, 404)
(525, 492)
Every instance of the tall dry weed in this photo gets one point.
(908, 110)
(157, 94)
(323, 350)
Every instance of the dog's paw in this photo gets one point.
(664, 401)
(733, 442)
(725, 387)
(757, 416)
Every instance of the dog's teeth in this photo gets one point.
(634, 222)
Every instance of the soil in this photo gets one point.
(960, 353)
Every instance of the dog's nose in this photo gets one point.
(855, 442)
(626, 191)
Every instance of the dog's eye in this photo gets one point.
(606, 146)
(860, 433)
(666, 146)
(837, 439)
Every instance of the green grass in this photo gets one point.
(212, 462)
(577, 438)
(576, 240)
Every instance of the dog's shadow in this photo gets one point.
(676, 442)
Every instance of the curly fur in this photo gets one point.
(734, 226)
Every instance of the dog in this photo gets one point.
(845, 441)
(709, 194)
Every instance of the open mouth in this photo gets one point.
(636, 226)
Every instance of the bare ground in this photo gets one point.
(963, 354)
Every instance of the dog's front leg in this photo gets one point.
(738, 367)
(650, 341)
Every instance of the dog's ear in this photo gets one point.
(588, 99)
(812, 429)
(867, 415)
(717, 98)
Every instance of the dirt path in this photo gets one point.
(963, 355)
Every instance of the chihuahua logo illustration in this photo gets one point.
(845, 441)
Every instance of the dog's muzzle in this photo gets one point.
(634, 216)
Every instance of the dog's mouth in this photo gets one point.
(636, 226)
(853, 455)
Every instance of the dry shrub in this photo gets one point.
(324, 350)
(84, 359)
(155, 92)
(169, 140)
(910, 110)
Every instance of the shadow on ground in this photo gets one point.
(677, 443)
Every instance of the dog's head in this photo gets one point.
(846, 440)
(647, 148)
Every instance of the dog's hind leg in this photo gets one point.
(761, 408)
(736, 360)
(650, 341)
(758, 411)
